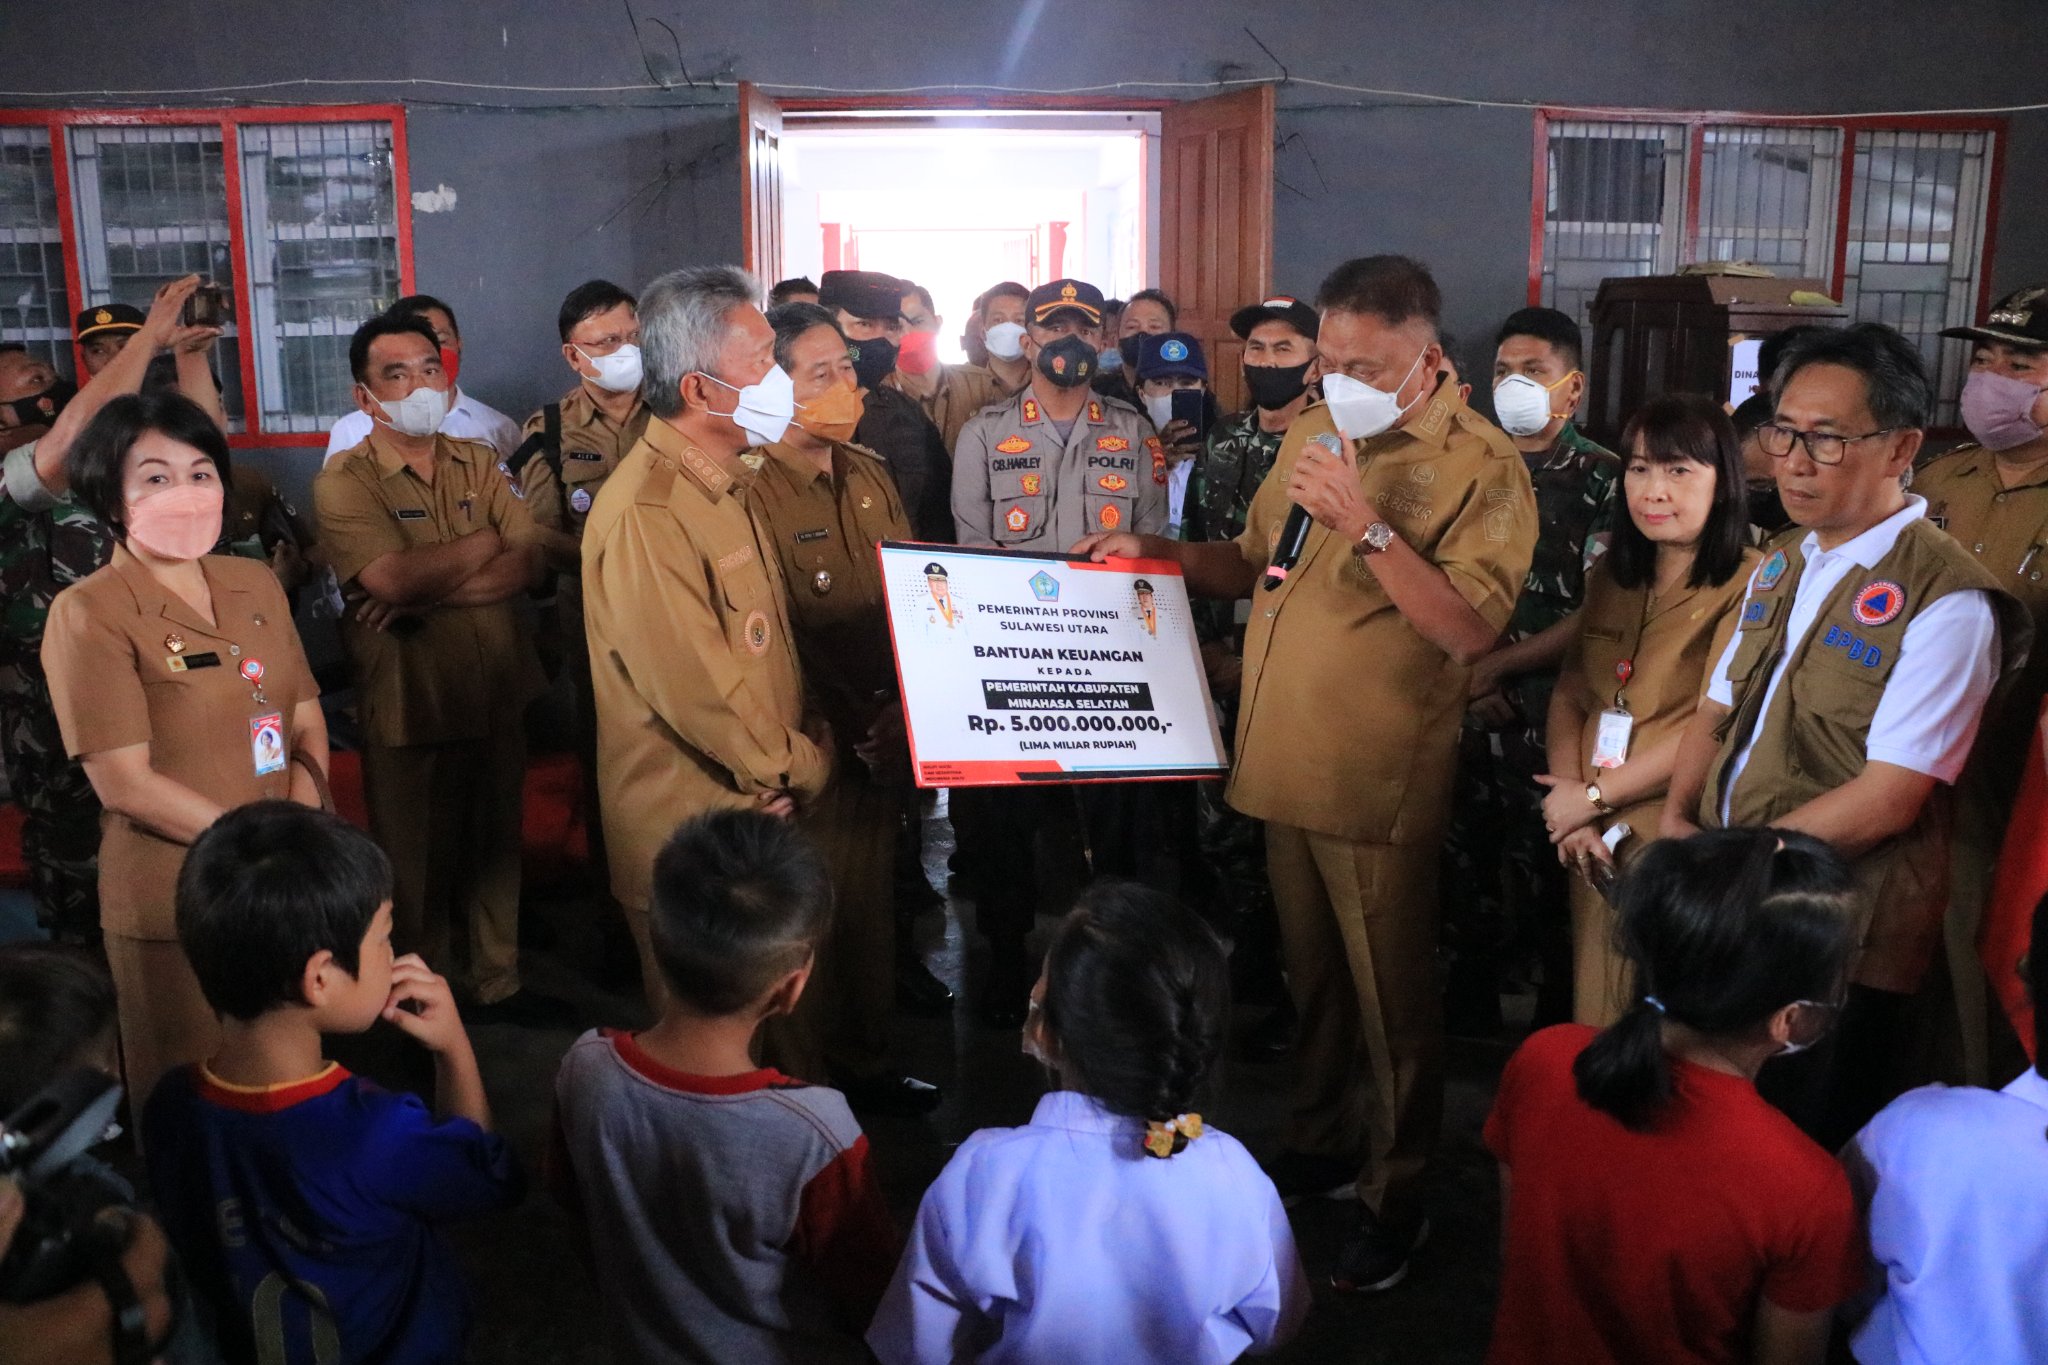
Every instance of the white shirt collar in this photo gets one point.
(460, 402)
(1868, 548)
(2030, 1086)
(1076, 1112)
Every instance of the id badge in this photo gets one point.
(1610, 745)
(266, 744)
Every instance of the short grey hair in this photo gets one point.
(684, 319)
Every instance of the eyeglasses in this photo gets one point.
(1823, 446)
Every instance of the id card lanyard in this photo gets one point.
(1610, 742)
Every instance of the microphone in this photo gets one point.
(1294, 531)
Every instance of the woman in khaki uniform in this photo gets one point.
(1658, 611)
(180, 684)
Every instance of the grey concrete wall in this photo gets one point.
(550, 195)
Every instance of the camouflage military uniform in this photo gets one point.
(1502, 882)
(42, 553)
(1232, 465)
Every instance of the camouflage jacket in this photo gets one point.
(41, 554)
(1575, 495)
(1232, 465)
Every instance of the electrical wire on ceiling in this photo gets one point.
(1419, 97)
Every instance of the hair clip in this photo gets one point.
(1654, 1003)
(1164, 1139)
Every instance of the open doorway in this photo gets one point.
(1177, 194)
(957, 204)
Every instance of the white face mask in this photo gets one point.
(1005, 340)
(1359, 409)
(618, 372)
(766, 407)
(419, 413)
(1523, 405)
(1159, 407)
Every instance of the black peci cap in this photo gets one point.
(866, 294)
(935, 570)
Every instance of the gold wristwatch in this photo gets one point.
(1593, 795)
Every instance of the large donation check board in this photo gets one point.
(1039, 668)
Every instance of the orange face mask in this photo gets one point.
(833, 414)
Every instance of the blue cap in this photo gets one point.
(1161, 354)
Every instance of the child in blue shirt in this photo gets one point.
(1114, 1226)
(304, 1201)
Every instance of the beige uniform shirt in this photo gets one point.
(824, 529)
(1017, 485)
(961, 392)
(699, 701)
(2006, 530)
(131, 663)
(592, 446)
(1349, 720)
(449, 673)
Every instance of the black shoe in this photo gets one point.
(1301, 1175)
(892, 1093)
(1272, 1038)
(525, 1009)
(1376, 1255)
(919, 990)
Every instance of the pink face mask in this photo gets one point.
(178, 523)
(1999, 409)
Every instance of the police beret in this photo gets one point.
(1056, 295)
(107, 317)
(1161, 354)
(865, 294)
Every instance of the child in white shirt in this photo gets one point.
(1113, 1226)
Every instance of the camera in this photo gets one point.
(62, 1237)
(207, 307)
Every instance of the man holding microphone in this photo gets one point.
(1382, 556)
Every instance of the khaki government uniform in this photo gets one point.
(121, 650)
(823, 530)
(961, 391)
(1346, 745)
(2006, 531)
(1671, 645)
(592, 445)
(441, 697)
(699, 700)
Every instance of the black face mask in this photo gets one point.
(41, 409)
(1129, 349)
(1068, 362)
(1273, 387)
(872, 360)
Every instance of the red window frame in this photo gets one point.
(1695, 142)
(229, 121)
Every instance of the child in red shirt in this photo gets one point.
(1654, 1206)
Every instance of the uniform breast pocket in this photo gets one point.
(1019, 510)
(1601, 648)
(1110, 511)
(743, 594)
(1841, 690)
(416, 524)
(1755, 630)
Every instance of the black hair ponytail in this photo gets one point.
(1724, 929)
(1137, 996)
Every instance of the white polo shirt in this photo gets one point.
(1956, 1184)
(1948, 661)
(469, 419)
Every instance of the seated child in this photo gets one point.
(303, 1200)
(1655, 1206)
(1955, 1185)
(1114, 1226)
(731, 1210)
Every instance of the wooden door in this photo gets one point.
(760, 185)
(1216, 221)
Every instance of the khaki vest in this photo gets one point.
(1813, 738)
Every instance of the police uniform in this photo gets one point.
(442, 697)
(566, 452)
(1806, 714)
(823, 529)
(2005, 529)
(1499, 864)
(132, 663)
(1018, 485)
(1650, 658)
(1346, 746)
(699, 698)
(47, 543)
